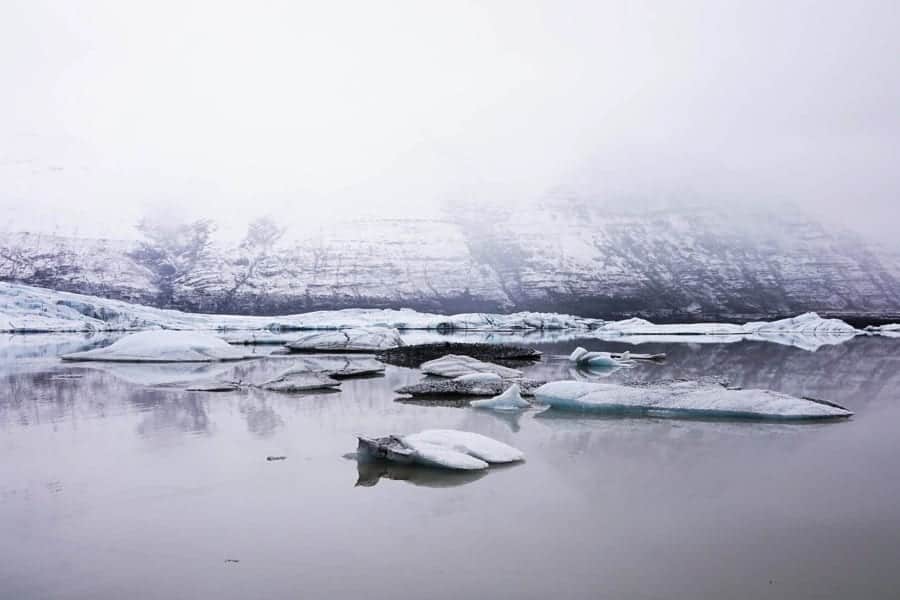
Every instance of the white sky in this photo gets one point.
(314, 110)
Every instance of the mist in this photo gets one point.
(320, 111)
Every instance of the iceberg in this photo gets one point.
(163, 346)
(363, 339)
(445, 448)
(453, 365)
(684, 398)
(582, 357)
(511, 399)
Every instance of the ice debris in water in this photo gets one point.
(363, 339)
(446, 448)
(163, 346)
(684, 398)
(511, 399)
(453, 365)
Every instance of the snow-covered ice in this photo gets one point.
(686, 398)
(438, 444)
(362, 339)
(294, 380)
(453, 365)
(163, 346)
(511, 399)
(446, 448)
(31, 309)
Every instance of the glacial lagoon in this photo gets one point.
(115, 482)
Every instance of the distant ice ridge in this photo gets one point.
(32, 309)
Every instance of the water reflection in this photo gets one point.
(369, 473)
(106, 482)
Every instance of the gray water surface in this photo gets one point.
(113, 485)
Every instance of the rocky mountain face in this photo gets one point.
(564, 255)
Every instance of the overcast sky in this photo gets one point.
(313, 110)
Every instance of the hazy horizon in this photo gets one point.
(310, 112)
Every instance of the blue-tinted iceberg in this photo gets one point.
(599, 359)
(683, 398)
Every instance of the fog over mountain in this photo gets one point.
(723, 157)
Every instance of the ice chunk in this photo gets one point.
(453, 365)
(511, 399)
(300, 381)
(686, 398)
(363, 339)
(163, 346)
(597, 359)
(447, 448)
(480, 446)
(435, 455)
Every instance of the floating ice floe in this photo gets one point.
(582, 357)
(368, 339)
(454, 365)
(511, 399)
(418, 354)
(683, 398)
(299, 381)
(446, 448)
(163, 346)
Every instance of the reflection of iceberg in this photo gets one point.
(683, 398)
(447, 448)
(370, 472)
(160, 374)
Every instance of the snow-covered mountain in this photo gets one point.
(564, 255)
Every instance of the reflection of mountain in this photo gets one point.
(566, 255)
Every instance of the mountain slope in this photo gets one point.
(563, 255)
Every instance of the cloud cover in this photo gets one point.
(315, 110)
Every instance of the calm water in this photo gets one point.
(114, 487)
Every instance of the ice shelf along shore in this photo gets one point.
(26, 309)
